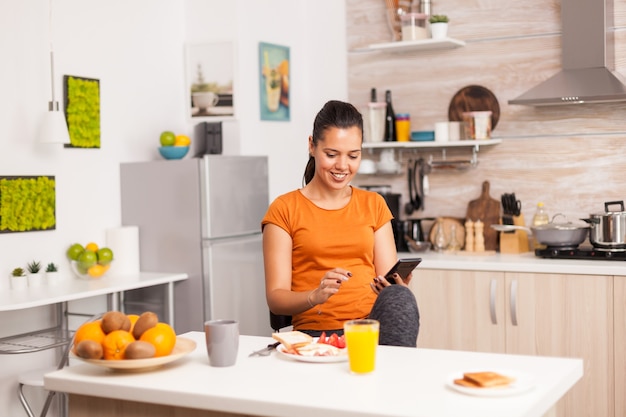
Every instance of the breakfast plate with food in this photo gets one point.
(497, 383)
(304, 348)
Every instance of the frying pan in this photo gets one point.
(474, 98)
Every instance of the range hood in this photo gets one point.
(587, 74)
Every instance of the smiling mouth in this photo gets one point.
(339, 176)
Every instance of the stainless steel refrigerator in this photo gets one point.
(201, 216)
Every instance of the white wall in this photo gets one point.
(136, 50)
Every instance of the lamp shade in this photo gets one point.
(53, 129)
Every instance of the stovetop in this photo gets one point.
(587, 253)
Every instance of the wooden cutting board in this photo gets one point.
(487, 210)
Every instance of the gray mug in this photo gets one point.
(222, 341)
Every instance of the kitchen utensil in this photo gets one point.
(556, 235)
(487, 210)
(608, 229)
(417, 183)
(409, 207)
(474, 98)
(265, 351)
(417, 246)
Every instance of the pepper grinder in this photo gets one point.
(469, 236)
(479, 238)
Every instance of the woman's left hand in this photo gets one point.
(380, 282)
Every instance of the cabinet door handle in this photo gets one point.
(514, 302)
(492, 301)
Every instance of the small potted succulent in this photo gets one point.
(52, 273)
(438, 26)
(35, 276)
(18, 279)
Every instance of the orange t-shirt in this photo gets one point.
(326, 239)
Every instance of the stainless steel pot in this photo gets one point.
(608, 229)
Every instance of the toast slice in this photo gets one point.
(292, 340)
(487, 379)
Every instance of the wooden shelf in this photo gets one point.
(408, 46)
(431, 144)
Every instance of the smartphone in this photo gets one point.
(403, 267)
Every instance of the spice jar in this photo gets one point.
(403, 127)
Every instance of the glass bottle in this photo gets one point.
(541, 217)
(390, 120)
(454, 244)
(373, 98)
(440, 238)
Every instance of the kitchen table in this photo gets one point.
(406, 382)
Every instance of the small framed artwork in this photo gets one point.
(274, 82)
(27, 203)
(82, 111)
(210, 74)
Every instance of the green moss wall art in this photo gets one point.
(82, 111)
(27, 204)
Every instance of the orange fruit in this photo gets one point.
(92, 246)
(115, 344)
(162, 336)
(182, 140)
(96, 271)
(133, 319)
(89, 331)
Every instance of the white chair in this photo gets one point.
(35, 379)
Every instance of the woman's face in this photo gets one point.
(337, 156)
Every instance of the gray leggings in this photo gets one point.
(396, 310)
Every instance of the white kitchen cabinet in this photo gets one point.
(529, 314)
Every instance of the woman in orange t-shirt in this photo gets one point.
(327, 245)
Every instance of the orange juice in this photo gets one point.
(361, 341)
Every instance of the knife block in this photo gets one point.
(515, 241)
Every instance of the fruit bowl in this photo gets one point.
(96, 271)
(173, 152)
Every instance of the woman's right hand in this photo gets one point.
(329, 285)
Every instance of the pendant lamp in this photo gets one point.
(53, 128)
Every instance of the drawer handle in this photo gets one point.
(514, 302)
(492, 301)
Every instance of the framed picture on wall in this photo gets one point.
(82, 111)
(210, 78)
(274, 82)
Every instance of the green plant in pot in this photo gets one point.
(438, 18)
(35, 279)
(34, 267)
(438, 26)
(18, 279)
(18, 272)
(52, 273)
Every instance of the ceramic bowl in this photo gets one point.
(173, 152)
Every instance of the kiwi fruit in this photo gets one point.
(89, 349)
(139, 350)
(115, 320)
(146, 321)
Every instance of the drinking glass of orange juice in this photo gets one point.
(361, 341)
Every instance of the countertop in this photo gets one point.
(406, 382)
(525, 262)
(73, 288)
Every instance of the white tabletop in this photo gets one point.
(407, 382)
(74, 289)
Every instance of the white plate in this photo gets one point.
(523, 382)
(343, 357)
(183, 347)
